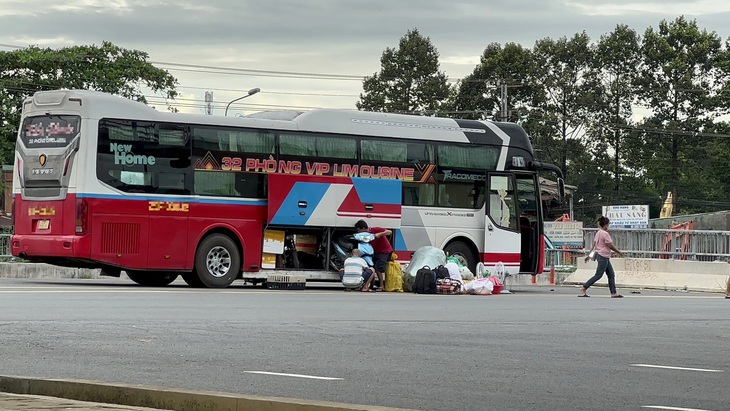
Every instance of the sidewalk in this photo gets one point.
(28, 393)
(13, 402)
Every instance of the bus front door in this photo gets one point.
(502, 240)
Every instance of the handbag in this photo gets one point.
(448, 286)
(592, 255)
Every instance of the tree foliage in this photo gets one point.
(409, 80)
(479, 93)
(682, 83)
(107, 68)
(628, 117)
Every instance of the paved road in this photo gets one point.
(536, 349)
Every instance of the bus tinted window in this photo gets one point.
(502, 201)
(49, 131)
(223, 139)
(229, 184)
(220, 156)
(418, 194)
(477, 158)
(396, 151)
(136, 156)
(317, 146)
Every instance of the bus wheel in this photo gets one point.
(463, 253)
(217, 261)
(152, 278)
(192, 279)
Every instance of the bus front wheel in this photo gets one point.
(463, 253)
(152, 278)
(217, 261)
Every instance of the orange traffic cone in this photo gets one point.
(552, 274)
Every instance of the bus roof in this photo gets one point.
(103, 105)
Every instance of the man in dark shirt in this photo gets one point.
(381, 247)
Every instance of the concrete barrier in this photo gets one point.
(31, 270)
(659, 274)
(166, 398)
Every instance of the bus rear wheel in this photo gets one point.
(217, 261)
(463, 253)
(152, 278)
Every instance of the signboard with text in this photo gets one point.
(564, 233)
(627, 216)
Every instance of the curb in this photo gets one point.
(39, 270)
(167, 399)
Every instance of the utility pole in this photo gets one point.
(505, 115)
(504, 100)
(209, 103)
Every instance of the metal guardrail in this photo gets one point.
(562, 260)
(5, 233)
(691, 245)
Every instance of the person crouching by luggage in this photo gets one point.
(381, 247)
(356, 273)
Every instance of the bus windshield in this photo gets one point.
(49, 131)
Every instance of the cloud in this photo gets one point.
(344, 37)
(691, 8)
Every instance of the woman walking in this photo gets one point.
(603, 245)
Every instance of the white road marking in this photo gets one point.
(667, 367)
(661, 407)
(280, 374)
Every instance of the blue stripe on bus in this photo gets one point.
(239, 201)
(378, 191)
(289, 211)
(400, 242)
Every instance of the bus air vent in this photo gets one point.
(119, 238)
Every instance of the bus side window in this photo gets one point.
(502, 209)
(171, 183)
(251, 185)
(422, 194)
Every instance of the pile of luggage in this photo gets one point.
(432, 272)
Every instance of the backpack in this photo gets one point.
(441, 272)
(425, 281)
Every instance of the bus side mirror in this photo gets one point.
(561, 190)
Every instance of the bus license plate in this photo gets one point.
(44, 224)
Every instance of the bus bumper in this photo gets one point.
(44, 247)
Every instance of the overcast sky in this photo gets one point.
(276, 44)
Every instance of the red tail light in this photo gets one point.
(82, 216)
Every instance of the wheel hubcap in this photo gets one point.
(218, 261)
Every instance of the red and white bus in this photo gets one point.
(105, 182)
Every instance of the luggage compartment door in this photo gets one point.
(304, 200)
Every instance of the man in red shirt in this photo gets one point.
(381, 248)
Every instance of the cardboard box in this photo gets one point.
(268, 260)
(273, 241)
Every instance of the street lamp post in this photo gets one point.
(250, 93)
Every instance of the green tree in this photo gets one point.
(610, 95)
(562, 67)
(107, 68)
(682, 80)
(409, 80)
(479, 93)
